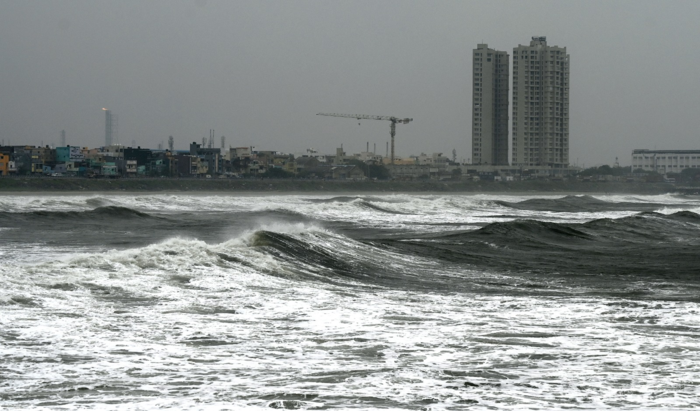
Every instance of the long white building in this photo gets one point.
(540, 105)
(665, 161)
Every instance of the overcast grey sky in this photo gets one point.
(258, 71)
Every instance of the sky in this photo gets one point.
(258, 72)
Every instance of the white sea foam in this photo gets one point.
(393, 346)
(189, 324)
(671, 210)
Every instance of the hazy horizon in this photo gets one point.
(258, 72)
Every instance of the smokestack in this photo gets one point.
(108, 127)
(63, 138)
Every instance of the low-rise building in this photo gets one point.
(131, 167)
(665, 161)
(410, 171)
(109, 170)
(4, 164)
(115, 150)
(76, 167)
(369, 157)
(399, 160)
(69, 153)
(142, 158)
(305, 163)
(42, 156)
(186, 165)
(23, 159)
(347, 173)
(240, 152)
(211, 157)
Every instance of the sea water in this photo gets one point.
(394, 302)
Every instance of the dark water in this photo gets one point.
(349, 302)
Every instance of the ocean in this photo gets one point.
(353, 302)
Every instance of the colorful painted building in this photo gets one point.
(4, 164)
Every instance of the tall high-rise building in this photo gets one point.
(540, 105)
(490, 106)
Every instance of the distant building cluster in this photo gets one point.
(204, 161)
(540, 126)
(114, 161)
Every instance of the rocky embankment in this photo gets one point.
(62, 184)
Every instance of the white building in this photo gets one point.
(239, 152)
(366, 156)
(665, 161)
(540, 105)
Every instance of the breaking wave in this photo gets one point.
(101, 213)
(647, 245)
(577, 203)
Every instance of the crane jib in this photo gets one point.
(368, 117)
(358, 117)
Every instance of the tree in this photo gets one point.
(276, 172)
(605, 170)
(690, 174)
(378, 171)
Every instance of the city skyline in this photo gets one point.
(258, 72)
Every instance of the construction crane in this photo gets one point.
(393, 120)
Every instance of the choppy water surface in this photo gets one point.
(396, 302)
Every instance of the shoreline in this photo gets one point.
(67, 184)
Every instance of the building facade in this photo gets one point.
(490, 106)
(4, 164)
(540, 105)
(665, 161)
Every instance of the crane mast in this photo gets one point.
(393, 120)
